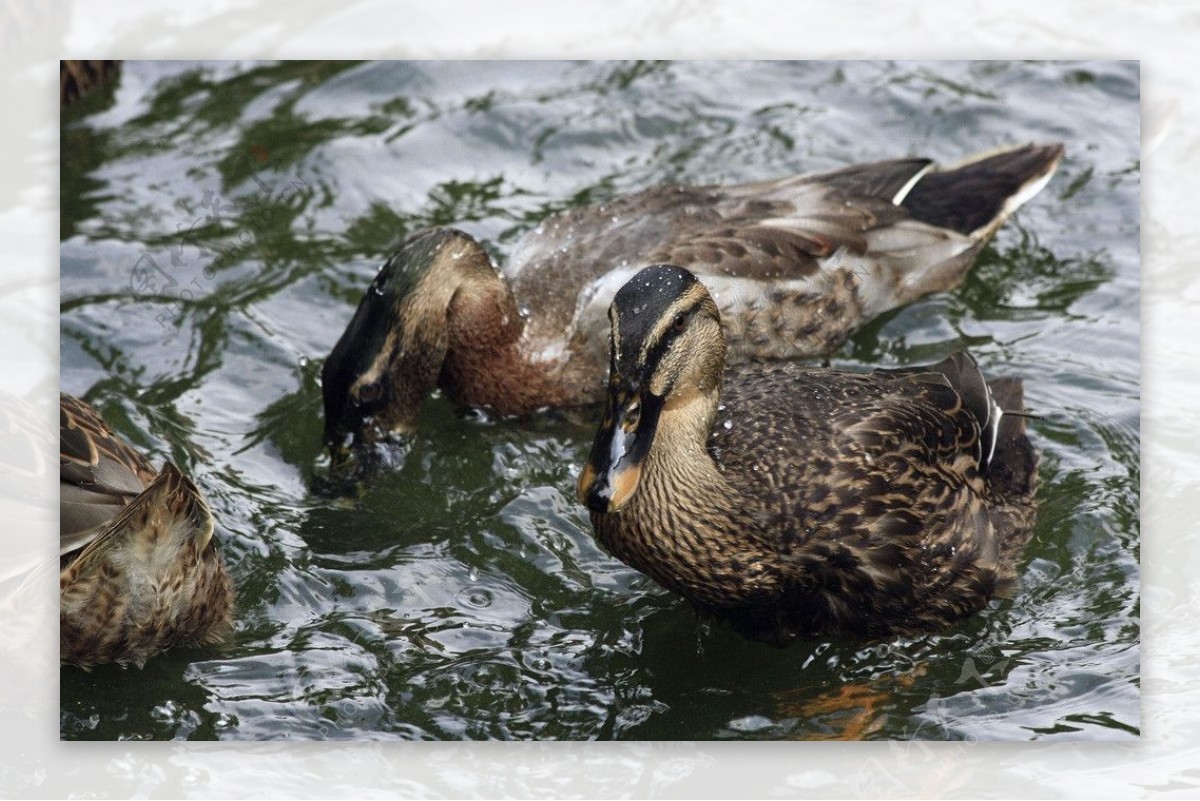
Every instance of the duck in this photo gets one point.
(139, 568)
(795, 266)
(798, 502)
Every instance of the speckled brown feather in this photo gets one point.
(151, 579)
(824, 502)
(148, 575)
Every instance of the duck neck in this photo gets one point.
(687, 527)
(492, 364)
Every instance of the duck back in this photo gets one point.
(795, 265)
(889, 516)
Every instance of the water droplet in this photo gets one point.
(728, 424)
(473, 574)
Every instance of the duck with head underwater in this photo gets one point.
(794, 265)
(797, 502)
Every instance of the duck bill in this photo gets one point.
(611, 474)
(342, 457)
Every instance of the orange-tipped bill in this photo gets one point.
(610, 476)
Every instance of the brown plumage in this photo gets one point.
(796, 501)
(795, 266)
(139, 568)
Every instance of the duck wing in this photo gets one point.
(99, 473)
(879, 454)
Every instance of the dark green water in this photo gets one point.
(220, 221)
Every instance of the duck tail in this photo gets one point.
(1014, 466)
(976, 196)
(1005, 454)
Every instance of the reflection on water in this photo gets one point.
(220, 222)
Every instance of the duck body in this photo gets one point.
(794, 265)
(139, 567)
(800, 502)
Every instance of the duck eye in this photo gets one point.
(680, 322)
(369, 393)
(633, 413)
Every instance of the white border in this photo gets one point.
(1164, 35)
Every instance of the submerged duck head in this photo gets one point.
(667, 355)
(390, 356)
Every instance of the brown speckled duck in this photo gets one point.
(139, 569)
(794, 265)
(801, 502)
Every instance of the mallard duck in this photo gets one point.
(795, 266)
(139, 569)
(796, 502)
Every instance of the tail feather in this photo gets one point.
(976, 197)
(1005, 452)
(1015, 464)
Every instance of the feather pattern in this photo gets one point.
(139, 567)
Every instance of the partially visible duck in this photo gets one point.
(795, 266)
(77, 78)
(795, 502)
(139, 568)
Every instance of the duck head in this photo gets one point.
(667, 355)
(390, 356)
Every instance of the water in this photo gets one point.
(220, 221)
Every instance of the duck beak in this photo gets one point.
(610, 476)
(341, 456)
